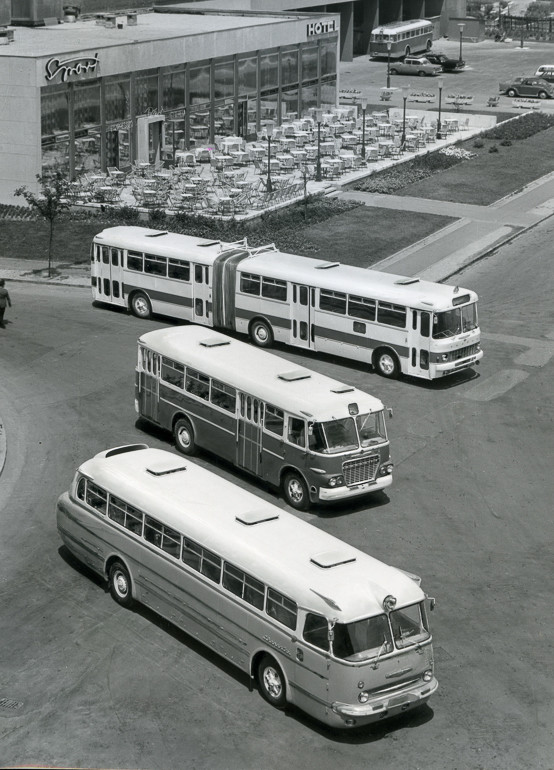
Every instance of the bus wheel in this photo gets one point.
(296, 492)
(120, 585)
(261, 334)
(393, 71)
(271, 682)
(386, 363)
(183, 433)
(140, 305)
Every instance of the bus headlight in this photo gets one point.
(386, 469)
(444, 356)
(427, 675)
(363, 697)
(336, 481)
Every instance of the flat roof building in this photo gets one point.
(101, 93)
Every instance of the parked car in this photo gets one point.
(528, 86)
(412, 65)
(546, 72)
(444, 61)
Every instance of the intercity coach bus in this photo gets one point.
(311, 620)
(317, 439)
(394, 323)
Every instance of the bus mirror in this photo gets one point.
(432, 603)
(390, 412)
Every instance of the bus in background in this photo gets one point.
(395, 324)
(311, 620)
(405, 38)
(315, 438)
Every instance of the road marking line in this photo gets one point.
(497, 385)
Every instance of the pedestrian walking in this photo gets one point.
(4, 301)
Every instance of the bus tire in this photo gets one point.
(261, 333)
(141, 305)
(393, 71)
(386, 363)
(183, 433)
(271, 682)
(296, 492)
(120, 584)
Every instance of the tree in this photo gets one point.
(49, 203)
(539, 10)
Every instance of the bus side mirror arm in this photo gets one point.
(390, 412)
(432, 602)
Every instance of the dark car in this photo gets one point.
(447, 64)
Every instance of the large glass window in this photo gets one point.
(146, 92)
(309, 97)
(248, 75)
(117, 97)
(224, 119)
(289, 101)
(329, 93)
(289, 67)
(199, 84)
(199, 126)
(54, 111)
(269, 70)
(86, 105)
(173, 87)
(309, 62)
(328, 57)
(224, 79)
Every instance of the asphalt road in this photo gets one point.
(85, 683)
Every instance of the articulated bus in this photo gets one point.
(405, 38)
(315, 438)
(393, 323)
(311, 620)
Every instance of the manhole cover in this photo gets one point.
(9, 706)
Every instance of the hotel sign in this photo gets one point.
(67, 69)
(321, 27)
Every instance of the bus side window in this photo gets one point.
(115, 257)
(316, 631)
(274, 420)
(153, 532)
(97, 497)
(297, 431)
(282, 609)
(198, 272)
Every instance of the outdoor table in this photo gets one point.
(311, 151)
(239, 156)
(450, 125)
(327, 148)
(98, 180)
(348, 158)
(287, 141)
(380, 115)
(385, 129)
(349, 139)
(301, 137)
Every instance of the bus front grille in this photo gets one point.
(359, 471)
(457, 355)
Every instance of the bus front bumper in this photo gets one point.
(450, 367)
(329, 494)
(385, 706)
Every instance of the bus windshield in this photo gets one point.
(409, 625)
(348, 433)
(363, 639)
(455, 321)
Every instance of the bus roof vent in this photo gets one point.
(214, 342)
(156, 234)
(165, 467)
(327, 265)
(209, 243)
(342, 389)
(256, 517)
(296, 374)
(120, 450)
(329, 559)
(407, 281)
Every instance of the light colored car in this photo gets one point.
(528, 86)
(413, 65)
(546, 72)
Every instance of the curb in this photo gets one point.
(3, 445)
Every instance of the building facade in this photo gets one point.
(94, 94)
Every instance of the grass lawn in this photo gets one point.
(491, 175)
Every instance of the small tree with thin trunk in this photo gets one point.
(49, 203)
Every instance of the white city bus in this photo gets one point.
(395, 324)
(310, 619)
(317, 439)
(405, 38)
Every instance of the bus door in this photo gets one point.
(419, 338)
(109, 275)
(149, 392)
(312, 660)
(302, 315)
(249, 434)
(202, 296)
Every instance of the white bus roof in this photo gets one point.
(163, 243)
(412, 292)
(401, 26)
(315, 569)
(265, 375)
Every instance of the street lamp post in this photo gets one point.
(461, 27)
(405, 92)
(440, 83)
(389, 46)
(363, 103)
(318, 117)
(269, 184)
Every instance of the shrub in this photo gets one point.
(127, 214)
(157, 217)
(493, 148)
(506, 143)
(478, 143)
(521, 127)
